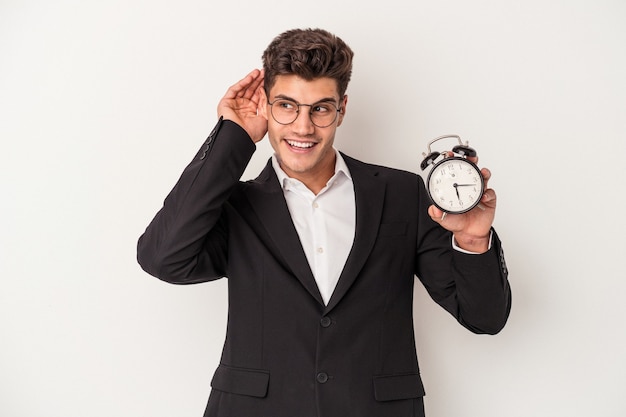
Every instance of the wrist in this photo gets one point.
(474, 244)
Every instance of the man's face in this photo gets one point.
(304, 150)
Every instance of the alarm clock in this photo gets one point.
(455, 184)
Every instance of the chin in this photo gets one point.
(298, 168)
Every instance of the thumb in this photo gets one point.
(436, 214)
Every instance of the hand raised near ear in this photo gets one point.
(241, 104)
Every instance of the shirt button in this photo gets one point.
(322, 377)
(325, 322)
(320, 250)
(315, 205)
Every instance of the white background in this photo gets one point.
(102, 104)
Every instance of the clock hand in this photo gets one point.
(456, 188)
(463, 185)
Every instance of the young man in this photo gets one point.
(320, 250)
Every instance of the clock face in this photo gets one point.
(455, 185)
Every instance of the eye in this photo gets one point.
(322, 108)
(286, 105)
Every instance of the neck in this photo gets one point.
(314, 180)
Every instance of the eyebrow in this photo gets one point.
(322, 100)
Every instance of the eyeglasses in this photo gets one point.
(286, 112)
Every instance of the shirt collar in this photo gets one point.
(340, 168)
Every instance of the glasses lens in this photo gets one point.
(323, 114)
(284, 111)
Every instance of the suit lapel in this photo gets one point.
(268, 202)
(369, 193)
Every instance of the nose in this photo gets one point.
(303, 124)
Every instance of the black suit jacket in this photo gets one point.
(286, 354)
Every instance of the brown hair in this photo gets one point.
(310, 54)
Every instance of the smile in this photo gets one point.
(301, 145)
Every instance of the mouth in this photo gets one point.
(298, 145)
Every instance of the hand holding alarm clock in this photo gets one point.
(456, 186)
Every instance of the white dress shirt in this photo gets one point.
(325, 222)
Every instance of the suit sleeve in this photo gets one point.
(473, 288)
(187, 241)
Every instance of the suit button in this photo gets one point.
(325, 322)
(322, 377)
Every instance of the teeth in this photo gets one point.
(302, 145)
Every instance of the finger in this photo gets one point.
(258, 99)
(253, 89)
(473, 159)
(239, 88)
(436, 214)
(486, 173)
(489, 198)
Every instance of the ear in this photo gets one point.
(262, 107)
(342, 112)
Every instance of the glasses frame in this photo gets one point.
(337, 111)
